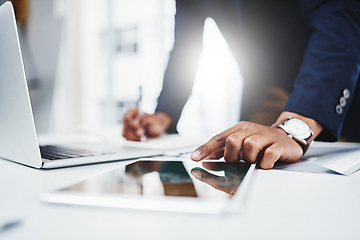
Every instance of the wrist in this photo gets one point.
(315, 127)
(163, 119)
(299, 128)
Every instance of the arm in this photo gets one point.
(183, 61)
(331, 65)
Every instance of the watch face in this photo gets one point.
(298, 128)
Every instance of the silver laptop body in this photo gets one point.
(18, 139)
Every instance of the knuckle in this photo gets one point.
(255, 126)
(272, 153)
(249, 143)
(231, 141)
(218, 138)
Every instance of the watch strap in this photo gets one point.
(304, 143)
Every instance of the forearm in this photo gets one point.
(183, 62)
(331, 64)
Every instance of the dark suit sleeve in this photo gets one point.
(183, 61)
(328, 76)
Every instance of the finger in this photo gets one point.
(132, 122)
(217, 142)
(153, 128)
(216, 155)
(131, 115)
(234, 143)
(145, 117)
(131, 119)
(271, 155)
(130, 135)
(254, 145)
(153, 125)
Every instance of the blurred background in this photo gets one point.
(88, 61)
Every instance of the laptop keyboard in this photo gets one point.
(56, 152)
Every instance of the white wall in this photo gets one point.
(93, 77)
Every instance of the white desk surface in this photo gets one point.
(281, 205)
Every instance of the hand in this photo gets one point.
(234, 174)
(251, 142)
(137, 124)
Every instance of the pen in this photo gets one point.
(142, 137)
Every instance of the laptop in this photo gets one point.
(18, 139)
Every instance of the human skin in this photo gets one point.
(255, 143)
(248, 141)
(137, 124)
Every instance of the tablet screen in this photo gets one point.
(189, 179)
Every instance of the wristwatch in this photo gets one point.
(298, 130)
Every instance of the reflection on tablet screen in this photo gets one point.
(168, 178)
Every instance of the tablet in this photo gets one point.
(176, 186)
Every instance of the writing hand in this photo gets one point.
(138, 124)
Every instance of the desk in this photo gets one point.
(281, 205)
